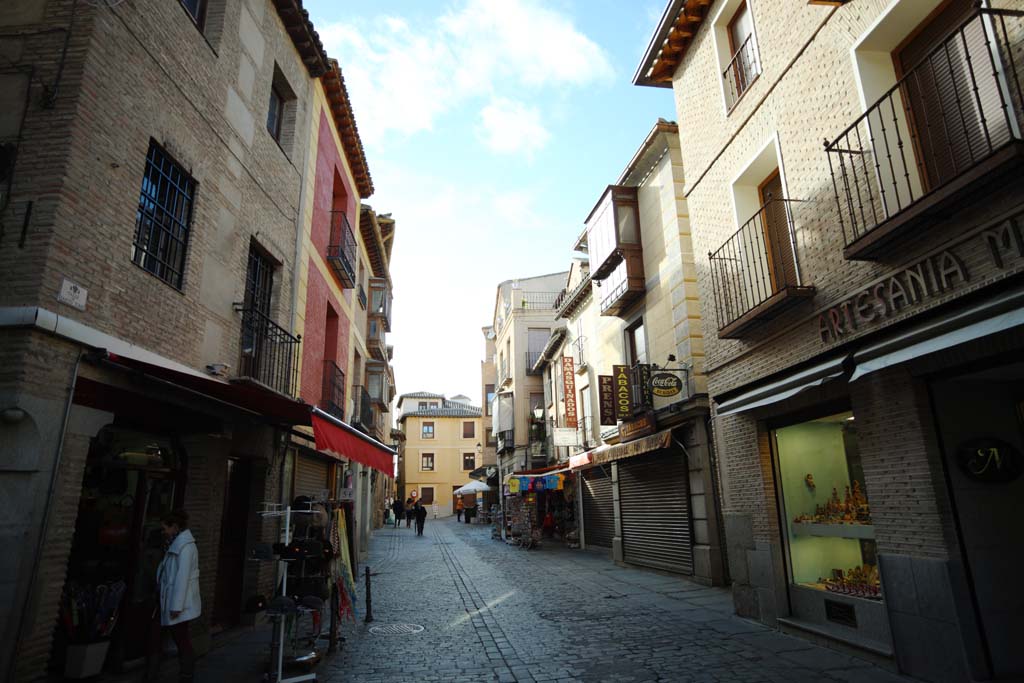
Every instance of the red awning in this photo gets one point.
(338, 439)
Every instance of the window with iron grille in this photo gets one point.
(259, 281)
(164, 217)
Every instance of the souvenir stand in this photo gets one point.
(315, 573)
(529, 499)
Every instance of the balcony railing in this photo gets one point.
(269, 354)
(503, 374)
(579, 352)
(568, 300)
(341, 250)
(586, 432)
(380, 301)
(375, 339)
(531, 359)
(361, 296)
(941, 133)
(362, 408)
(743, 69)
(332, 397)
(756, 271)
(505, 440)
(534, 300)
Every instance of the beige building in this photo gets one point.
(631, 315)
(488, 389)
(441, 446)
(862, 299)
(522, 323)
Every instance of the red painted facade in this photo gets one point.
(314, 338)
(331, 188)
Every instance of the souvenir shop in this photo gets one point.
(540, 505)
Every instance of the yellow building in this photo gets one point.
(443, 444)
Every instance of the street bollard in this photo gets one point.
(369, 599)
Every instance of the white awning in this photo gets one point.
(783, 388)
(996, 315)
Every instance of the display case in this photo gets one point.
(829, 531)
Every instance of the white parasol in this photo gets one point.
(473, 487)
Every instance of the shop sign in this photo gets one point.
(1002, 246)
(73, 294)
(606, 399)
(623, 392)
(666, 385)
(566, 436)
(634, 429)
(989, 460)
(349, 493)
(569, 391)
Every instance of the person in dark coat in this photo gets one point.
(409, 512)
(421, 518)
(399, 511)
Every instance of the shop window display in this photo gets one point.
(826, 509)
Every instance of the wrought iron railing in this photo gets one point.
(503, 375)
(568, 298)
(956, 107)
(531, 359)
(362, 407)
(332, 397)
(505, 440)
(341, 249)
(585, 426)
(269, 353)
(361, 295)
(743, 68)
(757, 262)
(534, 300)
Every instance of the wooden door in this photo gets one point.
(940, 71)
(227, 608)
(777, 238)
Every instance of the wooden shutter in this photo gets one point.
(778, 242)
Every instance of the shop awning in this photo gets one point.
(247, 396)
(336, 438)
(783, 388)
(654, 442)
(995, 315)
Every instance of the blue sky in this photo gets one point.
(491, 128)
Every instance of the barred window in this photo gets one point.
(164, 217)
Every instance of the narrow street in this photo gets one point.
(491, 612)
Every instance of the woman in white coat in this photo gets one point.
(178, 584)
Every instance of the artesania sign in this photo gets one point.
(569, 391)
(665, 384)
(623, 392)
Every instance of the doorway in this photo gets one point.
(227, 608)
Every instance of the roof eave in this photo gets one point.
(668, 18)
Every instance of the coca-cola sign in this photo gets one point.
(666, 385)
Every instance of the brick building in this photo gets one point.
(867, 293)
(156, 186)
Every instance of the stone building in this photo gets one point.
(154, 158)
(626, 372)
(867, 294)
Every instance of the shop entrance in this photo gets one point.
(654, 504)
(227, 609)
(980, 417)
(598, 507)
(131, 480)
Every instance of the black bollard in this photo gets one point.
(369, 599)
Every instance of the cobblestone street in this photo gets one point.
(492, 612)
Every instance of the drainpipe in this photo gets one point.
(47, 505)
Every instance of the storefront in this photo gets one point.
(540, 505)
(598, 507)
(654, 502)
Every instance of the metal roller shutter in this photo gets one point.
(654, 500)
(598, 508)
(310, 476)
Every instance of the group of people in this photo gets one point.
(411, 510)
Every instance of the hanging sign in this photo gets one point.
(989, 460)
(569, 391)
(566, 436)
(606, 399)
(666, 385)
(349, 493)
(513, 485)
(623, 392)
(634, 429)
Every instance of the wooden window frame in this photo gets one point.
(423, 496)
(472, 458)
(423, 430)
(423, 462)
(472, 429)
(276, 104)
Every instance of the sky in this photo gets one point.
(491, 128)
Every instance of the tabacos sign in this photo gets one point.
(623, 392)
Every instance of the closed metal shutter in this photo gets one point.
(654, 500)
(310, 476)
(598, 508)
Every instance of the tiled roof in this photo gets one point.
(345, 121)
(306, 40)
(671, 40)
(448, 409)
(421, 394)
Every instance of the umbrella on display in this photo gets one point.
(473, 487)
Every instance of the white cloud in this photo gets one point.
(509, 127)
(403, 78)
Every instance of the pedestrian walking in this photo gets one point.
(421, 518)
(409, 512)
(179, 601)
(459, 506)
(399, 511)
